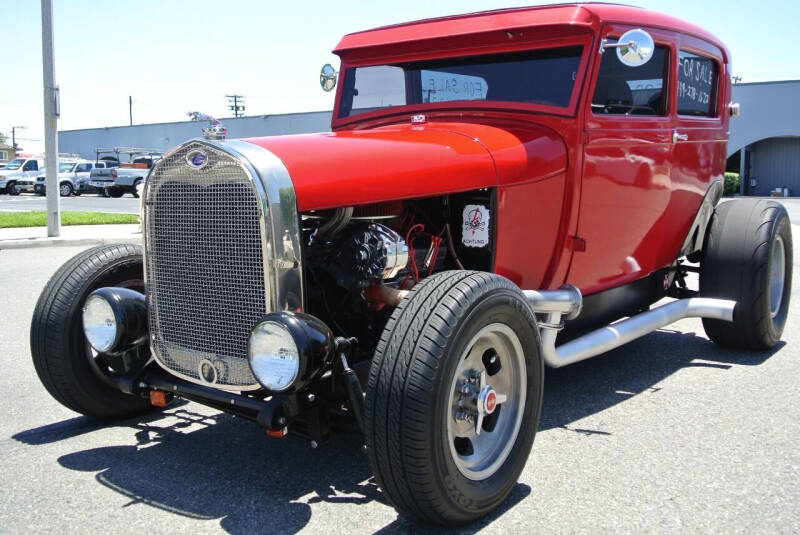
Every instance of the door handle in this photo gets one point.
(679, 137)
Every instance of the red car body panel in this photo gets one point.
(356, 167)
(593, 200)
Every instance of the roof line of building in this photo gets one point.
(769, 82)
(261, 115)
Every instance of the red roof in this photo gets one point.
(588, 15)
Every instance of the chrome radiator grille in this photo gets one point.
(204, 266)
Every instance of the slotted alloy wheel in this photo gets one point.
(487, 396)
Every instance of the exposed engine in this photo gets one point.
(358, 260)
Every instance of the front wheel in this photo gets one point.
(73, 373)
(12, 188)
(65, 189)
(454, 397)
(747, 257)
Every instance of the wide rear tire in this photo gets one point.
(456, 334)
(67, 368)
(747, 257)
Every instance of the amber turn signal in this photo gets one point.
(158, 398)
(277, 433)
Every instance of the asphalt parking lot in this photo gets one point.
(126, 204)
(668, 433)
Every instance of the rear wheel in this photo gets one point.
(73, 373)
(454, 397)
(115, 193)
(135, 188)
(747, 257)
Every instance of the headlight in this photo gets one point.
(99, 323)
(115, 320)
(287, 350)
(274, 357)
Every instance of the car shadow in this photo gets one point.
(585, 388)
(220, 467)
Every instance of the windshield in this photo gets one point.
(544, 76)
(66, 167)
(13, 165)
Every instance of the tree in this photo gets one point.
(3, 138)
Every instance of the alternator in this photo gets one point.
(367, 255)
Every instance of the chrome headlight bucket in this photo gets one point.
(287, 350)
(115, 320)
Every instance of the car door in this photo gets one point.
(30, 169)
(701, 121)
(626, 183)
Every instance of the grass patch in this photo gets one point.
(39, 219)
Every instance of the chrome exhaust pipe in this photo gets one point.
(566, 302)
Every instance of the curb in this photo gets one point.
(31, 243)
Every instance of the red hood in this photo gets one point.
(354, 167)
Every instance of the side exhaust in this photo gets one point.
(556, 306)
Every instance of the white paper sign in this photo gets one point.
(475, 226)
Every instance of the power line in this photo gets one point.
(234, 104)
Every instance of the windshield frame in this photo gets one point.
(71, 164)
(584, 39)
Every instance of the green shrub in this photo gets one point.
(731, 183)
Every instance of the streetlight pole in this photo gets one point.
(51, 113)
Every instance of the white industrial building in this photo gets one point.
(766, 136)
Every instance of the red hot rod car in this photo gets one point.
(498, 191)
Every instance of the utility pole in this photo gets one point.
(130, 108)
(236, 104)
(14, 136)
(51, 113)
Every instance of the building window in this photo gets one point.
(3, 155)
(623, 90)
(697, 85)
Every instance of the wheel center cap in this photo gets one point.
(490, 402)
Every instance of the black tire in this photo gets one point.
(408, 393)
(58, 346)
(68, 189)
(12, 189)
(136, 185)
(736, 264)
(116, 193)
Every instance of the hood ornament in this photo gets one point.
(215, 130)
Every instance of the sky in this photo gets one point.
(176, 56)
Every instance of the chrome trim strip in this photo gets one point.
(284, 244)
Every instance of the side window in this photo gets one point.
(623, 90)
(31, 165)
(697, 85)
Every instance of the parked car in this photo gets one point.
(69, 176)
(16, 170)
(127, 177)
(497, 189)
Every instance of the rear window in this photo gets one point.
(535, 77)
(697, 85)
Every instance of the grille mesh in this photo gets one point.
(205, 271)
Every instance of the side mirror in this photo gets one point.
(634, 48)
(327, 77)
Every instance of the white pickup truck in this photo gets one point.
(69, 177)
(19, 169)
